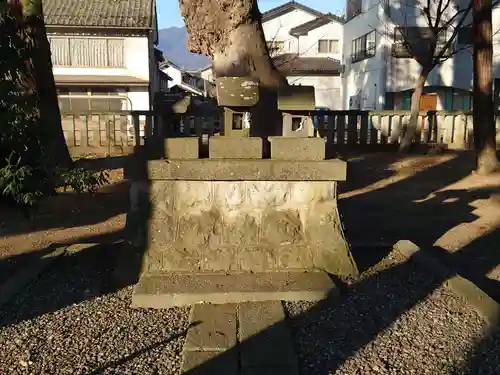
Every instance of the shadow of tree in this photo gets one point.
(350, 323)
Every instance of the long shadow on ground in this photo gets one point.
(335, 329)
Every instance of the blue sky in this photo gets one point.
(169, 15)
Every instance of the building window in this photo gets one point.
(87, 52)
(465, 36)
(276, 47)
(363, 47)
(415, 41)
(97, 99)
(354, 8)
(328, 46)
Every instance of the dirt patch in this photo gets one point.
(64, 218)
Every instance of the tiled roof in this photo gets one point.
(314, 24)
(135, 14)
(291, 64)
(287, 8)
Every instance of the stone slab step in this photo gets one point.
(249, 338)
(168, 290)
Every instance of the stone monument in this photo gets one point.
(237, 227)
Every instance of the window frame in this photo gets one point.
(399, 50)
(329, 44)
(115, 93)
(359, 47)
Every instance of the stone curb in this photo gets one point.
(484, 305)
(28, 273)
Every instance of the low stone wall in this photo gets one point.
(245, 216)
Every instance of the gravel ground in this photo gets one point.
(73, 321)
(396, 320)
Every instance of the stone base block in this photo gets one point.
(235, 147)
(182, 148)
(168, 290)
(245, 226)
(297, 148)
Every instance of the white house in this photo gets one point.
(306, 46)
(103, 53)
(190, 82)
(380, 75)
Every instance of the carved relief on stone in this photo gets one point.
(282, 228)
(305, 193)
(301, 193)
(193, 196)
(266, 194)
(241, 230)
(222, 258)
(202, 229)
(229, 196)
(163, 198)
(258, 258)
(181, 259)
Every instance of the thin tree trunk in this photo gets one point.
(411, 128)
(483, 108)
(230, 31)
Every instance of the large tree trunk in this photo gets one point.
(230, 31)
(411, 127)
(34, 67)
(483, 108)
(52, 135)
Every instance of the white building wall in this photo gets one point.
(327, 89)
(368, 80)
(364, 81)
(139, 96)
(137, 60)
(208, 75)
(136, 57)
(308, 44)
(174, 73)
(278, 29)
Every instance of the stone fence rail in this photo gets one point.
(114, 133)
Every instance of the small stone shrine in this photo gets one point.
(222, 227)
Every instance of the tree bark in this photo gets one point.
(52, 136)
(28, 58)
(230, 31)
(483, 108)
(411, 128)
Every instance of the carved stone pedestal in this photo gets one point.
(243, 216)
